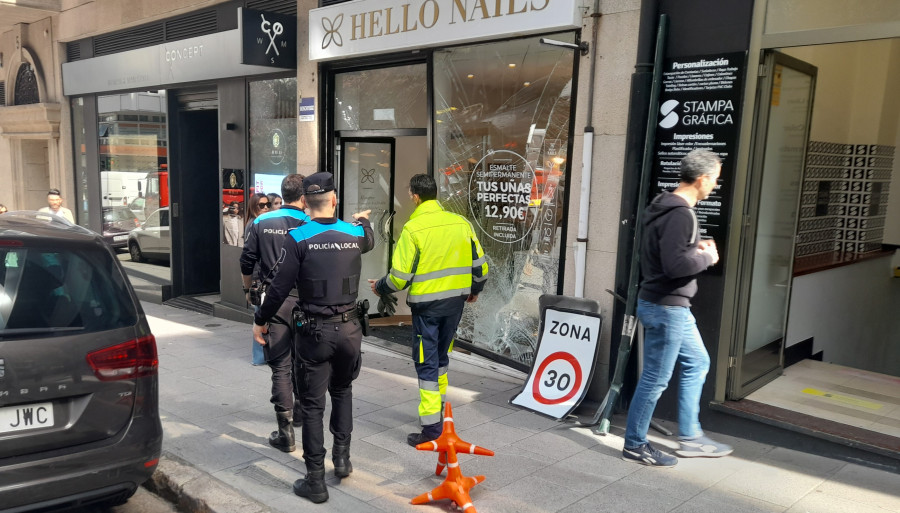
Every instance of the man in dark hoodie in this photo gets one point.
(672, 255)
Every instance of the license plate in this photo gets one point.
(26, 416)
(120, 238)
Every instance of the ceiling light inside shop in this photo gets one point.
(558, 160)
(470, 76)
(512, 64)
(526, 84)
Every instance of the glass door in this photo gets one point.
(367, 170)
(784, 109)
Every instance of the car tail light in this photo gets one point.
(129, 360)
(7, 242)
(137, 224)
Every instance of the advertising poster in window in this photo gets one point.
(499, 195)
(700, 108)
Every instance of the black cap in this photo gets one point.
(318, 183)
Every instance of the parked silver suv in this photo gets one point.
(79, 417)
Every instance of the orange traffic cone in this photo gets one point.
(449, 439)
(456, 486)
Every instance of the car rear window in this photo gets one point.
(48, 291)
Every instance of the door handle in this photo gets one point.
(386, 227)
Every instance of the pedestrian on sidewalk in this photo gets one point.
(54, 206)
(262, 250)
(323, 260)
(256, 206)
(672, 255)
(440, 259)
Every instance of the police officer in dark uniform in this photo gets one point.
(262, 249)
(322, 259)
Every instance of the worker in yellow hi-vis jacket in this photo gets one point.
(440, 259)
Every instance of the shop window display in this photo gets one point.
(133, 158)
(502, 115)
(273, 134)
(80, 206)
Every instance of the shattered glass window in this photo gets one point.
(502, 135)
(384, 98)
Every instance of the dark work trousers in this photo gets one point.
(328, 358)
(279, 352)
(433, 336)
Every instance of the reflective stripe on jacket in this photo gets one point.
(438, 257)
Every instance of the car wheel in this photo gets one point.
(135, 251)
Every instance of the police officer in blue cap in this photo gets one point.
(322, 259)
(262, 250)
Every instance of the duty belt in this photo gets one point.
(343, 317)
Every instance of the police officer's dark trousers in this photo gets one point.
(328, 359)
(431, 347)
(279, 352)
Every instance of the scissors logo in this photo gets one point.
(331, 31)
(276, 30)
(368, 175)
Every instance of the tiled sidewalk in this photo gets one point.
(217, 416)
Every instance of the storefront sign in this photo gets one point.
(499, 196)
(267, 38)
(306, 111)
(208, 57)
(564, 364)
(276, 147)
(374, 26)
(699, 107)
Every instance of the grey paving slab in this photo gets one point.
(587, 472)
(472, 414)
(625, 497)
(821, 503)
(507, 465)
(205, 450)
(765, 481)
(398, 495)
(864, 485)
(716, 502)
(264, 480)
(394, 416)
(384, 394)
(811, 464)
(394, 439)
(550, 446)
(493, 435)
(338, 502)
(530, 494)
(527, 420)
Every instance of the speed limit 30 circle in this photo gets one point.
(560, 381)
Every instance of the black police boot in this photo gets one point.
(340, 456)
(283, 439)
(313, 487)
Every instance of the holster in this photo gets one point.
(362, 309)
(300, 320)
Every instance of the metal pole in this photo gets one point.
(604, 412)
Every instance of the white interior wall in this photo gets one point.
(850, 312)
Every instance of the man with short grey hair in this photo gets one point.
(672, 255)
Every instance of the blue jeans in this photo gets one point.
(258, 356)
(670, 336)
